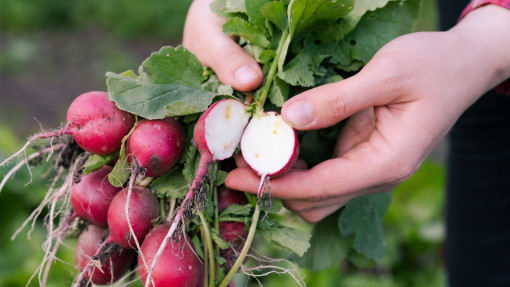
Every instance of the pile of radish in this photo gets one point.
(118, 221)
(139, 170)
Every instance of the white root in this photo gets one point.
(131, 231)
(32, 139)
(20, 164)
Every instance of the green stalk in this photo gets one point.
(210, 253)
(246, 247)
(272, 70)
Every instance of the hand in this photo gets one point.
(203, 36)
(399, 106)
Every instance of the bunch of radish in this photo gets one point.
(118, 221)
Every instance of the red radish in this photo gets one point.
(232, 232)
(217, 134)
(105, 268)
(227, 196)
(156, 145)
(92, 196)
(96, 124)
(143, 209)
(219, 129)
(269, 146)
(178, 265)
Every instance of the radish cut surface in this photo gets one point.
(269, 145)
(224, 126)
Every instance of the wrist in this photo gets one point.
(484, 36)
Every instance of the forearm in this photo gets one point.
(485, 33)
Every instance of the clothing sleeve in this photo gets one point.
(505, 86)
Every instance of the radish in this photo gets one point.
(95, 123)
(269, 146)
(156, 145)
(92, 196)
(104, 268)
(143, 210)
(232, 232)
(178, 264)
(219, 129)
(227, 196)
(217, 134)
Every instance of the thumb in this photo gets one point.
(204, 37)
(327, 105)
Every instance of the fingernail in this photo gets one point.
(246, 74)
(299, 114)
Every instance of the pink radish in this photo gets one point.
(217, 134)
(232, 232)
(91, 197)
(269, 146)
(143, 209)
(95, 123)
(156, 145)
(219, 129)
(103, 268)
(178, 264)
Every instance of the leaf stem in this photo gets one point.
(272, 70)
(246, 247)
(210, 252)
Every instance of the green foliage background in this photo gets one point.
(414, 229)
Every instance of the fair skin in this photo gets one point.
(399, 106)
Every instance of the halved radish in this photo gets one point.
(269, 146)
(219, 129)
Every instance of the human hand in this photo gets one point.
(399, 106)
(203, 36)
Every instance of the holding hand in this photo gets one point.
(399, 106)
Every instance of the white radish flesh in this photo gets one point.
(269, 146)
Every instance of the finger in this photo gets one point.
(362, 170)
(314, 215)
(327, 105)
(203, 36)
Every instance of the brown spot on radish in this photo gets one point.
(226, 146)
(228, 112)
(277, 125)
(256, 155)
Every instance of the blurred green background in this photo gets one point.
(53, 50)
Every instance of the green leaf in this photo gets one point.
(362, 218)
(169, 85)
(327, 248)
(304, 13)
(276, 12)
(220, 177)
(172, 65)
(170, 185)
(121, 171)
(95, 161)
(220, 242)
(234, 6)
(279, 92)
(285, 237)
(240, 27)
(156, 101)
(236, 210)
(253, 9)
(299, 71)
(381, 26)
